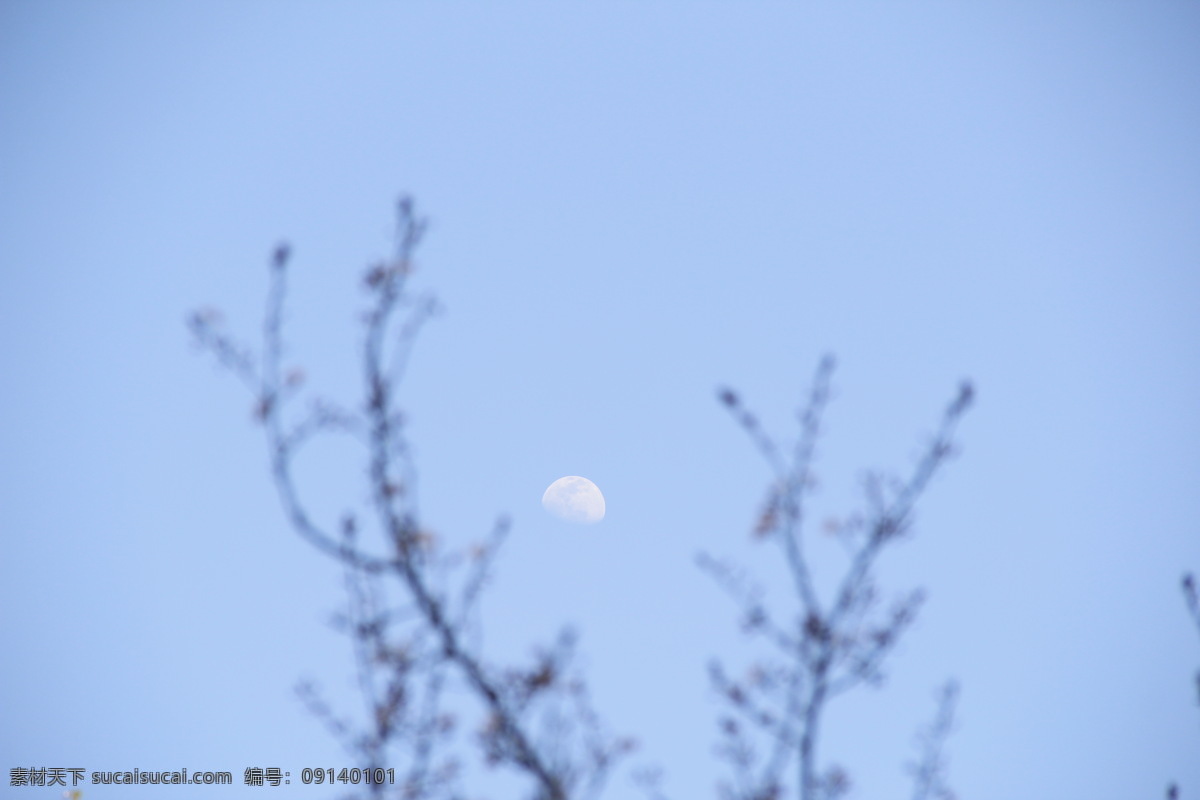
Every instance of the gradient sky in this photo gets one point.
(632, 204)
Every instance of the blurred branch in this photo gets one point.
(826, 650)
(1192, 598)
(404, 656)
(412, 601)
(929, 773)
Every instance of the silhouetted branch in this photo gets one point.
(537, 720)
(826, 650)
(412, 600)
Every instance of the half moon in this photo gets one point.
(574, 499)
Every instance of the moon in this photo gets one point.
(574, 499)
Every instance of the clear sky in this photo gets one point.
(632, 204)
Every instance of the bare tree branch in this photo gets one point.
(404, 656)
(412, 600)
(827, 650)
(929, 773)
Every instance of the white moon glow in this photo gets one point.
(574, 499)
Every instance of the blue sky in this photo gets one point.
(631, 205)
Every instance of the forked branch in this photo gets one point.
(406, 653)
(830, 646)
